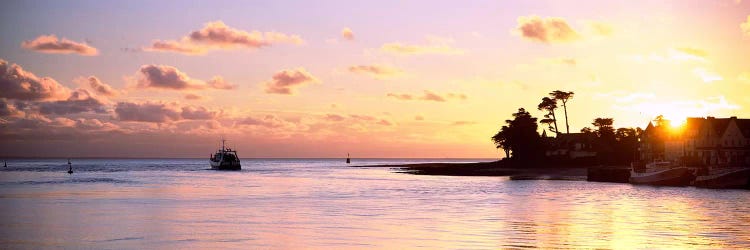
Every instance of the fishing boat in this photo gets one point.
(661, 173)
(225, 159)
(727, 178)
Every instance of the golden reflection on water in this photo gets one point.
(368, 208)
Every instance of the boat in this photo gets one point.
(727, 178)
(661, 173)
(70, 167)
(225, 159)
(348, 160)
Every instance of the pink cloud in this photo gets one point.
(191, 96)
(546, 30)
(347, 34)
(16, 83)
(429, 96)
(51, 44)
(285, 82)
(217, 35)
(377, 71)
(100, 87)
(80, 101)
(161, 112)
(168, 77)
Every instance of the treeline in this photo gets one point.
(523, 145)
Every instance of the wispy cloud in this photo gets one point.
(217, 35)
(377, 71)
(51, 44)
(428, 96)
(707, 76)
(745, 26)
(434, 46)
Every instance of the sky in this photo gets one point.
(417, 79)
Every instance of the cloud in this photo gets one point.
(745, 27)
(463, 123)
(347, 34)
(101, 88)
(435, 46)
(546, 30)
(161, 112)
(419, 118)
(401, 96)
(679, 108)
(217, 35)
(429, 96)
(678, 55)
(744, 77)
(600, 28)
(707, 76)
(693, 51)
(168, 77)
(218, 82)
(334, 117)
(50, 44)
(191, 96)
(15, 83)
(7, 109)
(80, 101)
(268, 121)
(377, 71)
(285, 82)
(197, 113)
(561, 60)
(624, 97)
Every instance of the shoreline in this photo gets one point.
(494, 168)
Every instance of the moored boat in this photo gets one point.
(225, 159)
(730, 178)
(662, 174)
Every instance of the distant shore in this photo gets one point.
(494, 168)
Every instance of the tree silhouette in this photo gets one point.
(563, 97)
(501, 140)
(549, 105)
(519, 137)
(604, 127)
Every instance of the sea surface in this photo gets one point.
(325, 204)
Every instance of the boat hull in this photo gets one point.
(733, 179)
(669, 177)
(223, 165)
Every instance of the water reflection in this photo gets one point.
(319, 206)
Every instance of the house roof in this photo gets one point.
(744, 125)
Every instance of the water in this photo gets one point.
(323, 204)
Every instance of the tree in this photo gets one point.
(519, 137)
(501, 141)
(563, 97)
(604, 127)
(549, 105)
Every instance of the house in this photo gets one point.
(572, 146)
(702, 141)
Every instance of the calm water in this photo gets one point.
(294, 204)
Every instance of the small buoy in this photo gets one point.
(5, 164)
(70, 167)
(348, 160)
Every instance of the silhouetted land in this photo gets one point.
(495, 168)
